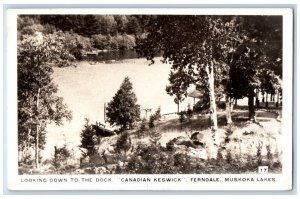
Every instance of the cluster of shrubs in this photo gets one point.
(155, 159)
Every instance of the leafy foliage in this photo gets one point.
(38, 104)
(270, 83)
(154, 118)
(196, 47)
(155, 159)
(61, 156)
(234, 48)
(86, 25)
(123, 110)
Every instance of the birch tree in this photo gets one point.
(195, 46)
(38, 104)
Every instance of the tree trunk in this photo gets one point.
(257, 102)
(257, 98)
(251, 105)
(277, 101)
(267, 103)
(26, 145)
(37, 132)
(178, 107)
(213, 108)
(272, 98)
(228, 109)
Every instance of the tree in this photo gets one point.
(179, 82)
(270, 83)
(88, 140)
(38, 104)
(91, 25)
(195, 45)
(260, 50)
(122, 21)
(61, 156)
(123, 110)
(123, 143)
(154, 118)
(133, 26)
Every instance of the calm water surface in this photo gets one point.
(87, 87)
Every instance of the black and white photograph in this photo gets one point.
(162, 94)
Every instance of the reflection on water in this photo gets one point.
(112, 55)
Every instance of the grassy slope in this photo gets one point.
(243, 141)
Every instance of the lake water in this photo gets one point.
(87, 87)
(113, 55)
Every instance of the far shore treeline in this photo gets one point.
(90, 32)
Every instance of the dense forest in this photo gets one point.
(89, 32)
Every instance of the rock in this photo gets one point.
(248, 132)
(197, 139)
(181, 141)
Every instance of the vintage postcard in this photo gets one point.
(149, 99)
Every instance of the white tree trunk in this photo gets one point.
(213, 107)
(37, 132)
(278, 99)
(228, 109)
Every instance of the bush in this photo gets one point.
(63, 158)
(100, 41)
(150, 160)
(30, 30)
(155, 159)
(142, 129)
(128, 42)
(189, 112)
(182, 116)
(123, 143)
(201, 106)
(221, 105)
(113, 43)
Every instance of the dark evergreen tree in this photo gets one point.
(123, 110)
(123, 143)
(133, 26)
(88, 140)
